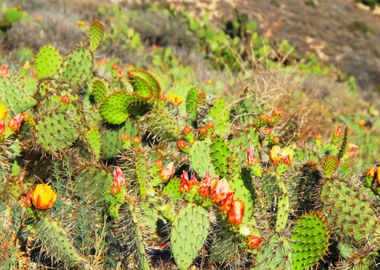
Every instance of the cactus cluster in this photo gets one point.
(134, 171)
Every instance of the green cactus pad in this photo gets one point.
(48, 61)
(144, 83)
(330, 164)
(194, 99)
(162, 124)
(55, 241)
(348, 211)
(99, 91)
(57, 131)
(92, 184)
(220, 115)
(93, 138)
(114, 110)
(188, 235)
(96, 34)
(77, 67)
(142, 172)
(17, 93)
(309, 241)
(200, 159)
(274, 255)
(220, 152)
(172, 188)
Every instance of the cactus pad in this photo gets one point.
(309, 241)
(77, 67)
(220, 115)
(330, 164)
(96, 34)
(48, 61)
(99, 91)
(200, 159)
(188, 235)
(348, 211)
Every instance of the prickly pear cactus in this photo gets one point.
(55, 241)
(348, 210)
(309, 241)
(96, 34)
(274, 255)
(188, 235)
(48, 61)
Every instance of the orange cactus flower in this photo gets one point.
(275, 154)
(371, 171)
(236, 213)
(43, 197)
(28, 198)
(220, 189)
(174, 99)
(254, 242)
(167, 172)
(3, 71)
(65, 99)
(339, 132)
(277, 112)
(15, 122)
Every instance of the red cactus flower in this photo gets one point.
(226, 204)
(2, 128)
(236, 213)
(118, 177)
(15, 122)
(254, 242)
(220, 189)
(185, 182)
(204, 187)
(181, 144)
(353, 150)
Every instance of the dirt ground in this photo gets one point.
(340, 31)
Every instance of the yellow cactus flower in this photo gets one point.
(275, 154)
(174, 99)
(3, 112)
(43, 197)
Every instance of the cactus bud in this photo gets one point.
(167, 172)
(3, 71)
(277, 112)
(254, 242)
(236, 213)
(65, 99)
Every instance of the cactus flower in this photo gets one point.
(174, 99)
(167, 172)
(43, 197)
(275, 154)
(251, 156)
(15, 122)
(339, 132)
(3, 112)
(204, 187)
(236, 213)
(187, 130)
(181, 144)
(187, 184)
(118, 177)
(220, 189)
(287, 155)
(3, 71)
(65, 99)
(226, 204)
(254, 242)
(352, 150)
(277, 112)
(371, 171)
(2, 128)
(28, 198)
